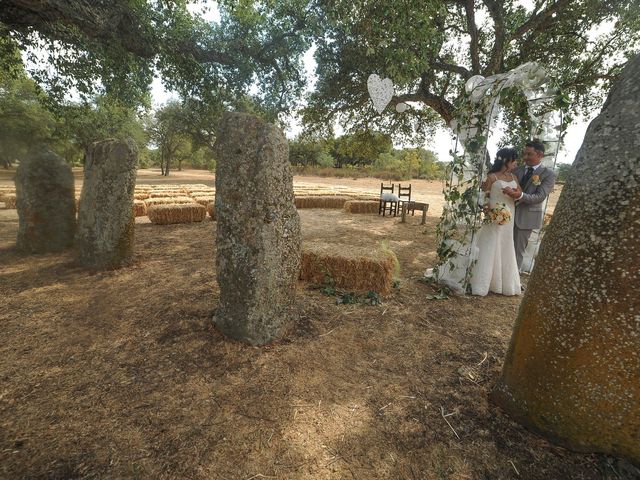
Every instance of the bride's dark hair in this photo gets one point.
(503, 156)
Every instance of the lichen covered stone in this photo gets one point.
(45, 203)
(573, 367)
(258, 230)
(106, 220)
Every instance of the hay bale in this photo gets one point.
(167, 201)
(202, 193)
(348, 267)
(139, 208)
(178, 213)
(6, 191)
(195, 187)
(211, 210)
(9, 200)
(362, 206)
(141, 195)
(165, 193)
(320, 201)
(205, 200)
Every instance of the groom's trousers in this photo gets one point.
(520, 241)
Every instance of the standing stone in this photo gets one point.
(45, 203)
(573, 367)
(106, 221)
(258, 230)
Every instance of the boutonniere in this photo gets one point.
(536, 180)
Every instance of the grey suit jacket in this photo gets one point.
(529, 207)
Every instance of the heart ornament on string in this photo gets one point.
(380, 91)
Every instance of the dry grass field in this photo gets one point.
(121, 374)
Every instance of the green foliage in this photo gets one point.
(328, 288)
(308, 152)
(101, 118)
(411, 163)
(115, 48)
(24, 122)
(347, 298)
(429, 49)
(202, 158)
(370, 154)
(27, 121)
(360, 148)
(563, 171)
(372, 298)
(169, 132)
(438, 296)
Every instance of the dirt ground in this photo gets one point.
(121, 374)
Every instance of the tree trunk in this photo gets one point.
(573, 367)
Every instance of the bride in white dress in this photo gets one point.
(496, 269)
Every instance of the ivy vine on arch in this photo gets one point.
(473, 125)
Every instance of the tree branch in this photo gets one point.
(497, 53)
(447, 67)
(473, 32)
(538, 19)
(95, 22)
(441, 105)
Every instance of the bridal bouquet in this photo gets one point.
(500, 214)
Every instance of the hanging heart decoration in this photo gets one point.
(381, 91)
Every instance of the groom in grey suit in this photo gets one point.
(536, 183)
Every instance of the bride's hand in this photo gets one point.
(512, 192)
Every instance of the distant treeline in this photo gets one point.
(363, 154)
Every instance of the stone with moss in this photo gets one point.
(258, 230)
(106, 221)
(45, 203)
(572, 370)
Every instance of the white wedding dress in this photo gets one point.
(496, 269)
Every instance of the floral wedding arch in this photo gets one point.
(473, 125)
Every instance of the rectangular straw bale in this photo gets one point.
(140, 195)
(203, 193)
(195, 187)
(205, 200)
(362, 206)
(351, 268)
(167, 200)
(317, 201)
(179, 213)
(9, 200)
(139, 208)
(211, 210)
(165, 193)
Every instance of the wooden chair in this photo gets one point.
(404, 196)
(393, 205)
